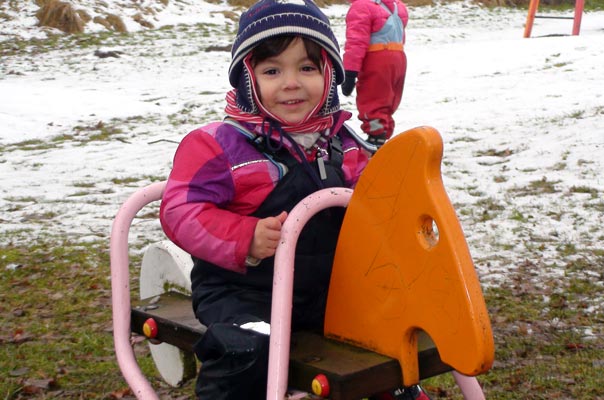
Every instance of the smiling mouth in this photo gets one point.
(291, 102)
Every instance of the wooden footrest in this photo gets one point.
(352, 372)
(173, 314)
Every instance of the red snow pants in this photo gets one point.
(380, 89)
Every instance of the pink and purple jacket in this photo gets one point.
(364, 18)
(219, 178)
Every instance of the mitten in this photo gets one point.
(350, 79)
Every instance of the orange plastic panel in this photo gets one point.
(402, 264)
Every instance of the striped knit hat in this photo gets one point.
(269, 18)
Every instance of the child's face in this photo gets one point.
(289, 84)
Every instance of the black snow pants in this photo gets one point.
(235, 360)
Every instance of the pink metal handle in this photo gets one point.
(469, 386)
(283, 281)
(282, 291)
(120, 289)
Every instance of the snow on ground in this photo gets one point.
(522, 122)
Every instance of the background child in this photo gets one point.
(373, 53)
(233, 183)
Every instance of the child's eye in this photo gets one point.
(309, 68)
(270, 71)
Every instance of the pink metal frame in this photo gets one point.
(282, 291)
(120, 289)
(283, 281)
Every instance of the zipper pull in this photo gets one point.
(321, 164)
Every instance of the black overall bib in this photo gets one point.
(235, 360)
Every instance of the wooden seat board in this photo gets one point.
(353, 372)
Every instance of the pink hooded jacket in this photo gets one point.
(364, 18)
(219, 178)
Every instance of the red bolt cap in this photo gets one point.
(320, 385)
(150, 328)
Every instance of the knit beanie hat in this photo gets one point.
(269, 18)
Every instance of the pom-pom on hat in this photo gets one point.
(270, 18)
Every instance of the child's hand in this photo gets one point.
(267, 236)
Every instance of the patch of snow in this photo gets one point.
(513, 113)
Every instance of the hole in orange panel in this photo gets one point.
(428, 232)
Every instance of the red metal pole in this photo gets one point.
(578, 14)
(528, 27)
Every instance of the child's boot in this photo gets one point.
(409, 393)
(377, 140)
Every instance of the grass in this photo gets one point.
(56, 337)
(56, 330)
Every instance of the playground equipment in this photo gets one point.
(404, 300)
(534, 5)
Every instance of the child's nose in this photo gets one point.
(291, 80)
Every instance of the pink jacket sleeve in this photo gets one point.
(403, 12)
(191, 213)
(363, 18)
